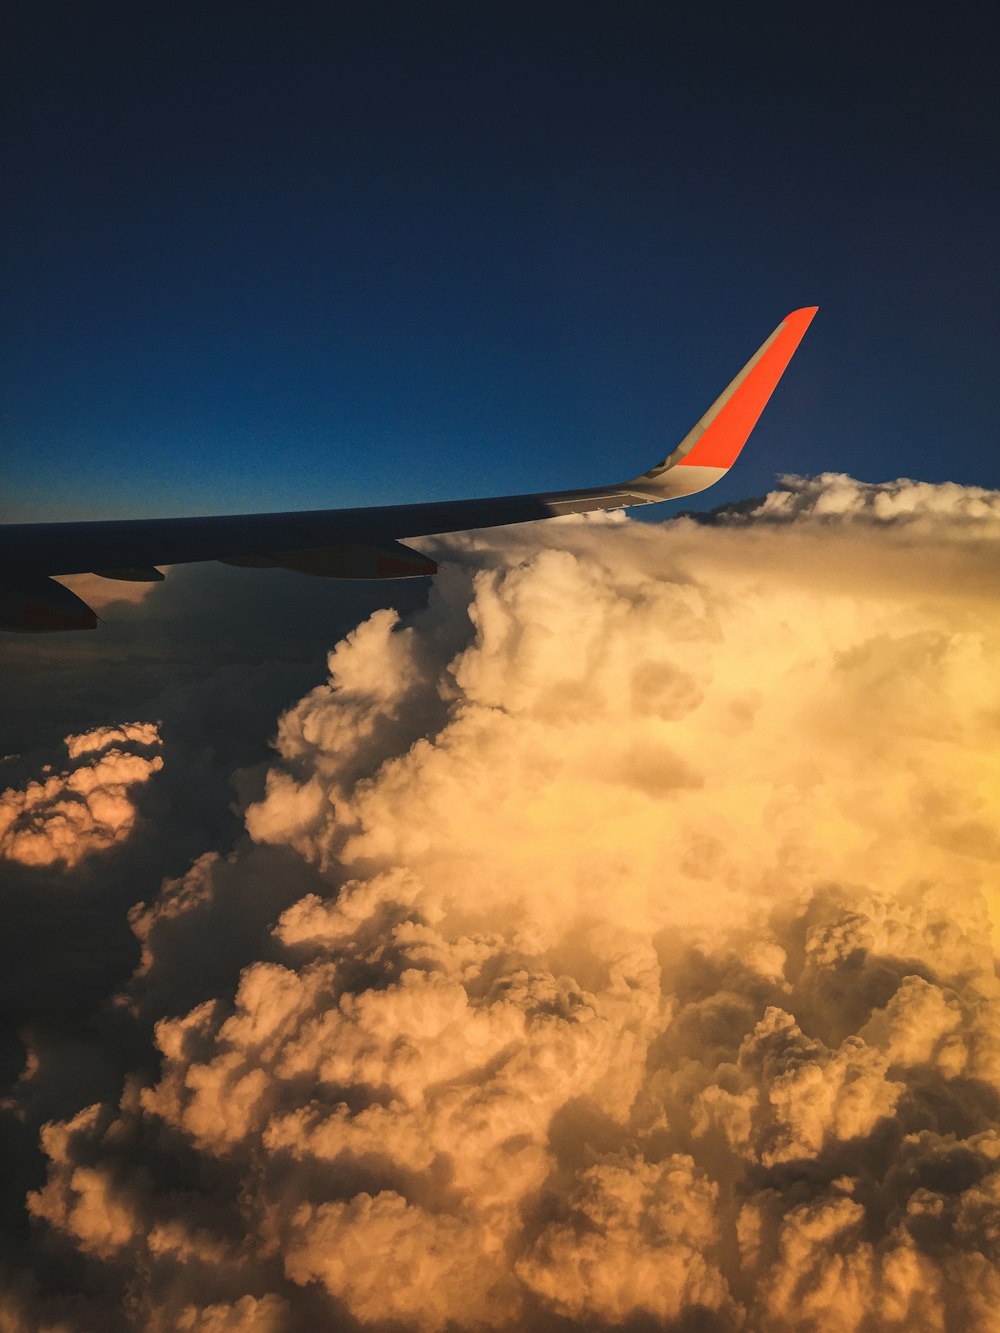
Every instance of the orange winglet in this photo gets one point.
(724, 437)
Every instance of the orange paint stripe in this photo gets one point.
(728, 433)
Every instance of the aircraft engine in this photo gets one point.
(40, 605)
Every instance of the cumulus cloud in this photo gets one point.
(835, 497)
(638, 962)
(137, 733)
(65, 816)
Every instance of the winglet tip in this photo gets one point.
(722, 433)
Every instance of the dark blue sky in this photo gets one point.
(282, 256)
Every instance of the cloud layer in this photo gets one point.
(635, 959)
(971, 511)
(65, 816)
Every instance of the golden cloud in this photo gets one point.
(649, 967)
(63, 817)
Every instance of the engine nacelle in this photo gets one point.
(41, 606)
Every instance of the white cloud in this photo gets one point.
(643, 963)
(834, 496)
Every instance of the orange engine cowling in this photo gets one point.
(40, 606)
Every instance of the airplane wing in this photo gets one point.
(360, 543)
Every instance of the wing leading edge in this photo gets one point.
(364, 543)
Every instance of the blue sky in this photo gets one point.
(262, 257)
